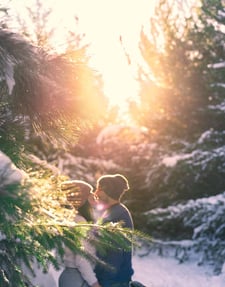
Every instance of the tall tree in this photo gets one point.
(52, 96)
(55, 96)
(177, 87)
(35, 24)
(32, 81)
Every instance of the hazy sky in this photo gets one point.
(112, 27)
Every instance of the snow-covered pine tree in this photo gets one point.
(42, 94)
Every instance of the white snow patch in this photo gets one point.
(204, 136)
(220, 107)
(217, 65)
(171, 161)
(9, 75)
(114, 130)
(9, 173)
(156, 271)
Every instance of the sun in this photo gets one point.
(112, 29)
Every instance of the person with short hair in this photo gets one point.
(109, 191)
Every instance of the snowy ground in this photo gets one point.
(155, 271)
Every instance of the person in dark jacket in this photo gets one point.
(109, 191)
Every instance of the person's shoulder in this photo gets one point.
(120, 209)
(123, 214)
(123, 207)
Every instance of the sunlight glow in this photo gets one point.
(112, 28)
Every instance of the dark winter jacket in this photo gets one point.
(120, 260)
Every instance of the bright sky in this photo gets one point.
(104, 22)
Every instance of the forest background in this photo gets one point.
(57, 122)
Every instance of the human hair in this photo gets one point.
(85, 211)
(114, 185)
(69, 184)
(85, 189)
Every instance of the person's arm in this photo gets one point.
(83, 264)
(85, 267)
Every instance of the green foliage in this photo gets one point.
(181, 98)
(52, 97)
(179, 85)
(35, 227)
(192, 227)
(32, 82)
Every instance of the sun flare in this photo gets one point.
(112, 30)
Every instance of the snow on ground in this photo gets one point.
(156, 271)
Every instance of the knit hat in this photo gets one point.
(113, 185)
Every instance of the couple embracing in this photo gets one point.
(78, 271)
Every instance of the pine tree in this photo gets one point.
(178, 85)
(46, 95)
